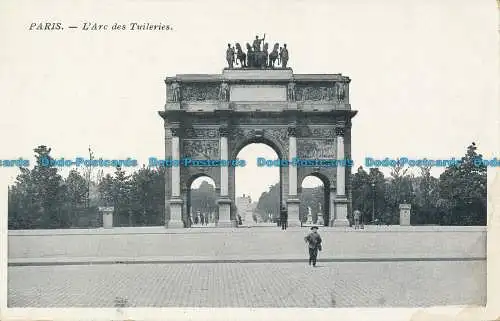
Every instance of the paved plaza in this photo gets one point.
(331, 284)
(260, 267)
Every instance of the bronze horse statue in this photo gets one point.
(241, 56)
(250, 56)
(273, 55)
(265, 57)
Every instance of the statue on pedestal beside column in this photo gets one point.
(291, 91)
(309, 216)
(175, 90)
(224, 92)
(340, 91)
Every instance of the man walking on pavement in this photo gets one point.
(314, 241)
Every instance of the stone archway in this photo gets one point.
(273, 145)
(212, 117)
(328, 194)
(188, 214)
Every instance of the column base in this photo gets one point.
(175, 214)
(224, 213)
(225, 224)
(293, 212)
(175, 224)
(341, 212)
(224, 105)
(340, 223)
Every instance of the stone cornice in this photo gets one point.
(256, 76)
(179, 114)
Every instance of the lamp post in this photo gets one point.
(373, 202)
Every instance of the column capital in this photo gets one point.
(292, 131)
(223, 131)
(339, 131)
(176, 131)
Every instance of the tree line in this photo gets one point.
(41, 198)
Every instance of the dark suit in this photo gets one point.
(283, 219)
(314, 241)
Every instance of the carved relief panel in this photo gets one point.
(200, 92)
(334, 92)
(316, 148)
(200, 149)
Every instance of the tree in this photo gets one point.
(49, 190)
(463, 186)
(106, 193)
(362, 194)
(24, 210)
(37, 199)
(425, 206)
(76, 188)
(147, 197)
(269, 203)
(121, 197)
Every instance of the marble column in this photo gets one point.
(175, 201)
(224, 201)
(341, 198)
(168, 179)
(332, 198)
(293, 200)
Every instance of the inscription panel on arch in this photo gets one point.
(258, 93)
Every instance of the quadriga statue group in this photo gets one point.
(255, 57)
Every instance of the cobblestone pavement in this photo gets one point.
(374, 284)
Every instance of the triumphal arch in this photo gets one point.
(260, 100)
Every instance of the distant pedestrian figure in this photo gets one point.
(283, 218)
(314, 241)
(357, 216)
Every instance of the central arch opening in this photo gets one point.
(258, 189)
(202, 202)
(314, 200)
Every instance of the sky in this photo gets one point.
(424, 73)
